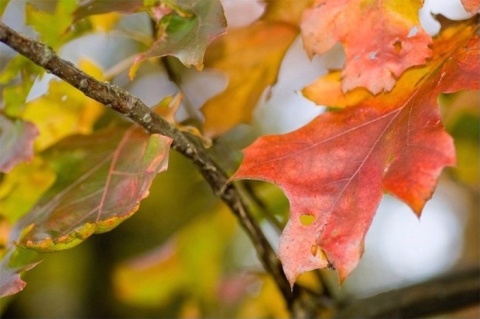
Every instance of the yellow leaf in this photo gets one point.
(52, 26)
(63, 111)
(168, 107)
(251, 57)
(188, 264)
(104, 22)
(327, 90)
(23, 186)
(269, 303)
(285, 10)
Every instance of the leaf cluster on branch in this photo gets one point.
(88, 170)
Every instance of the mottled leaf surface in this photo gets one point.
(16, 142)
(381, 38)
(335, 169)
(187, 37)
(90, 199)
(472, 6)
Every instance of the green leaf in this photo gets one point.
(16, 80)
(52, 26)
(187, 37)
(3, 6)
(94, 7)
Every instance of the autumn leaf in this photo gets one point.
(22, 187)
(94, 199)
(55, 34)
(461, 118)
(16, 139)
(266, 303)
(335, 169)
(14, 92)
(10, 281)
(251, 57)
(472, 6)
(157, 277)
(285, 10)
(187, 37)
(168, 107)
(95, 7)
(85, 200)
(381, 39)
(327, 90)
(3, 6)
(63, 110)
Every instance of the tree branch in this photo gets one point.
(445, 293)
(132, 107)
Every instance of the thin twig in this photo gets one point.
(269, 215)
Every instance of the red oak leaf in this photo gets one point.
(381, 38)
(335, 169)
(471, 6)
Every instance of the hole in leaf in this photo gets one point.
(314, 250)
(413, 32)
(372, 55)
(307, 219)
(397, 45)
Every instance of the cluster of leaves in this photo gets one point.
(81, 171)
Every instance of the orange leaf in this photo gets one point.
(327, 90)
(381, 38)
(285, 10)
(471, 6)
(251, 57)
(335, 169)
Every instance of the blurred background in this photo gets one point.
(183, 255)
